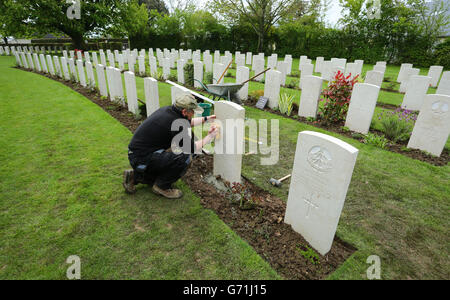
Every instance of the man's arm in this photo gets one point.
(207, 139)
(201, 120)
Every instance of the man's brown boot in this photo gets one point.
(169, 193)
(128, 182)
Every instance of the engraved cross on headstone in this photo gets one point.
(308, 201)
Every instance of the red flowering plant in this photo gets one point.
(337, 99)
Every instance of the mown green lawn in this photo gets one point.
(396, 207)
(62, 162)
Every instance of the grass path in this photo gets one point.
(61, 195)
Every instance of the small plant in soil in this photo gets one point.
(73, 78)
(189, 74)
(308, 253)
(285, 104)
(345, 129)
(91, 86)
(240, 193)
(397, 125)
(337, 99)
(375, 140)
(172, 77)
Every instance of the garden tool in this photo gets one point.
(277, 183)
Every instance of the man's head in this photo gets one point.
(186, 103)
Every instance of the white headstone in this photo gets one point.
(288, 60)
(118, 86)
(217, 72)
(180, 71)
(110, 80)
(242, 74)
(90, 75)
(323, 168)
(362, 106)
(401, 74)
(198, 73)
(121, 62)
(259, 67)
(415, 92)
(309, 99)
(351, 69)
(87, 56)
(374, 77)
(408, 73)
(307, 70)
(94, 59)
(444, 84)
(65, 68)
(151, 95)
(141, 60)
(248, 58)
(228, 149)
(30, 61)
(207, 58)
(103, 58)
(81, 73)
(166, 68)
(380, 68)
(432, 127)
(282, 66)
(153, 66)
(101, 81)
(272, 61)
(360, 64)
(57, 66)
(435, 73)
(36, 62)
(130, 86)
(79, 55)
(24, 60)
(326, 70)
(73, 70)
(43, 63)
(319, 61)
(272, 88)
(50, 65)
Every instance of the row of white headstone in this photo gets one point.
(108, 85)
(361, 109)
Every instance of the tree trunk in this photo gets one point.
(78, 41)
(6, 40)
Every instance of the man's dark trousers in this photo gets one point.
(163, 168)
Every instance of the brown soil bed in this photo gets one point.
(393, 147)
(262, 227)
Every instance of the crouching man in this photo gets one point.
(156, 151)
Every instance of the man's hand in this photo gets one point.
(213, 131)
(213, 117)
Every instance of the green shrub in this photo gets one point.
(442, 54)
(337, 99)
(375, 140)
(189, 74)
(285, 104)
(397, 125)
(208, 78)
